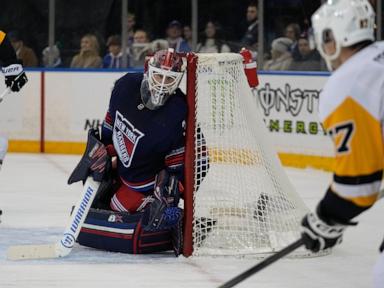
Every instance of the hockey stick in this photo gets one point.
(64, 246)
(5, 92)
(266, 262)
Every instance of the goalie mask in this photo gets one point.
(165, 71)
(346, 22)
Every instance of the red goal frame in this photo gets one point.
(189, 168)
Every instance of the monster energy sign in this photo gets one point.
(289, 109)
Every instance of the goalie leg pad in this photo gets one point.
(122, 232)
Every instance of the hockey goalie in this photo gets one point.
(136, 207)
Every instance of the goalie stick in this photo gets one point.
(64, 246)
(5, 92)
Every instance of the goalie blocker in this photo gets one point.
(157, 228)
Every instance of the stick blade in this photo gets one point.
(24, 252)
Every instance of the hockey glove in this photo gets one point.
(95, 161)
(319, 233)
(15, 77)
(163, 212)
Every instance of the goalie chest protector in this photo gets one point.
(121, 232)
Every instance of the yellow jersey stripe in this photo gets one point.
(358, 139)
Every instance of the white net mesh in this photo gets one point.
(243, 200)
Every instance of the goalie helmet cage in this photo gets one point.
(240, 201)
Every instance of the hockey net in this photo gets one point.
(238, 199)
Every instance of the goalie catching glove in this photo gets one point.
(15, 77)
(163, 212)
(319, 233)
(95, 162)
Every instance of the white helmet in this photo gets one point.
(347, 22)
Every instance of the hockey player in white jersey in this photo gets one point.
(15, 79)
(351, 109)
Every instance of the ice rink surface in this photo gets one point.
(36, 202)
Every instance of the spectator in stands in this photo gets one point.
(54, 53)
(131, 27)
(306, 59)
(281, 57)
(187, 33)
(292, 31)
(211, 41)
(174, 31)
(141, 47)
(159, 44)
(88, 57)
(250, 38)
(23, 52)
(114, 58)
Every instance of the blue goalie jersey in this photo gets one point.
(146, 141)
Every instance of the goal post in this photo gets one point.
(237, 199)
(189, 164)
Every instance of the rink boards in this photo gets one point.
(54, 111)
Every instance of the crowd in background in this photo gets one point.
(293, 50)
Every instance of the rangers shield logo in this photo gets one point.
(125, 139)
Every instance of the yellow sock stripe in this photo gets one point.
(363, 201)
